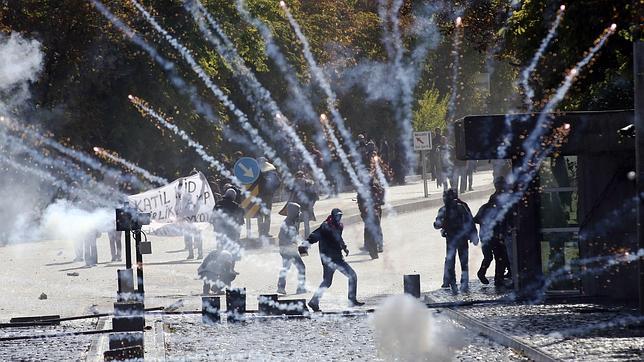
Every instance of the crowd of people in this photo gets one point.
(455, 220)
(446, 169)
(458, 227)
(217, 270)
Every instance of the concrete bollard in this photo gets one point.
(235, 304)
(133, 353)
(210, 308)
(125, 282)
(266, 304)
(291, 307)
(126, 340)
(128, 317)
(411, 284)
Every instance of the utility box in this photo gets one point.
(145, 247)
(411, 285)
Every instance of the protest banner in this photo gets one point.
(173, 207)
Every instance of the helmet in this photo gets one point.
(230, 194)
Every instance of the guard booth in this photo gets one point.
(580, 206)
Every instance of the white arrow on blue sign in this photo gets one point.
(246, 170)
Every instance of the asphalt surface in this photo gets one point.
(29, 269)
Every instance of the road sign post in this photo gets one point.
(247, 171)
(422, 156)
(423, 143)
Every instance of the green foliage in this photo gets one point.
(90, 67)
(606, 83)
(431, 111)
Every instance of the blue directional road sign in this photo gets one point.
(247, 170)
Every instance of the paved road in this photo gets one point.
(411, 246)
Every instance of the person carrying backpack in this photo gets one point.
(457, 227)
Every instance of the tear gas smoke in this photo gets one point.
(131, 166)
(524, 82)
(256, 93)
(361, 181)
(299, 103)
(242, 119)
(65, 221)
(406, 331)
(146, 110)
(21, 62)
(535, 153)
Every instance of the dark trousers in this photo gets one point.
(115, 244)
(289, 259)
(373, 237)
(433, 165)
(449, 273)
(264, 224)
(264, 220)
(329, 267)
(462, 178)
(495, 249)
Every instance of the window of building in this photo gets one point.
(559, 224)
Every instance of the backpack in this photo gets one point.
(271, 182)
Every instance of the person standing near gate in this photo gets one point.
(457, 226)
(329, 235)
(493, 241)
(288, 241)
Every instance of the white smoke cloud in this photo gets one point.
(64, 221)
(405, 330)
(21, 61)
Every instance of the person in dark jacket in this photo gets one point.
(269, 182)
(446, 169)
(373, 238)
(228, 217)
(329, 234)
(288, 241)
(434, 154)
(304, 193)
(217, 271)
(457, 226)
(493, 242)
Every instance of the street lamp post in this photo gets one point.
(638, 64)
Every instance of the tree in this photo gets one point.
(430, 111)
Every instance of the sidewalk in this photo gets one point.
(563, 331)
(399, 199)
